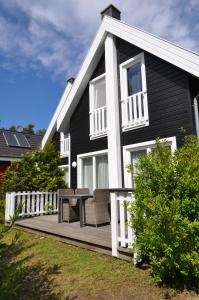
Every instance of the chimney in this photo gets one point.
(71, 80)
(111, 11)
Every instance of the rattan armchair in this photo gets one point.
(96, 208)
(82, 191)
(70, 206)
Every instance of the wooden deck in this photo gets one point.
(87, 236)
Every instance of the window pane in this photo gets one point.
(134, 160)
(87, 173)
(102, 171)
(65, 169)
(100, 93)
(134, 79)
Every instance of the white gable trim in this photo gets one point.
(178, 56)
(52, 127)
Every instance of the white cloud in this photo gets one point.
(56, 34)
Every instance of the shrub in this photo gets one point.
(38, 170)
(165, 214)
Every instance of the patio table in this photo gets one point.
(81, 198)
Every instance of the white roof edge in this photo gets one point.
(52, 127)
(83, 72)
(170, 52)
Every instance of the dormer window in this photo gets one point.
(98, 113)
(134, 93)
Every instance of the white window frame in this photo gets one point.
(80, 158)
(66, 166)
(127, 150)
(124, 85)
(91, 105)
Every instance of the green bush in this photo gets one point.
(165, 214)
(38, 170)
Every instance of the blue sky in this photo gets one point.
(43, 42)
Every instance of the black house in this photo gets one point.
(131, 88)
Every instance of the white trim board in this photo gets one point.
(176, 55)
(170, 141)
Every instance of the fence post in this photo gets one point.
(10, 206)
(114, 224)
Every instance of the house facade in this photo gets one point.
(13, 145)
(132, 88)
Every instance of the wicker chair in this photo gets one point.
(70, 206)
(82, 191)
(96, 208)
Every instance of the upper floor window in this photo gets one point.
(134, 93)
(64, 144)
(98, 114)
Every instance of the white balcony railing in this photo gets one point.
(98, 122)
(135, 111)
(65, 146)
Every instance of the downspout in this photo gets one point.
(196, 113)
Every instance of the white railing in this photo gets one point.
(98, 122)
(121, 231)
(65, 146)
(33, 203)
(135, 111)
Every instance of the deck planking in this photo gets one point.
(97, 236)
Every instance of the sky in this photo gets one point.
(43, 43)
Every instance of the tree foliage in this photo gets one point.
(165, 214)
(29, 129)
(38, 170)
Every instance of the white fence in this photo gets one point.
(135, 111)
(33, 203)
(121, 231)
(98, 122)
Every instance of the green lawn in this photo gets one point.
(53, 270)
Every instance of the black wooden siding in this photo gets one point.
(80, 128)
(169, 100)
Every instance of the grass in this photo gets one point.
(53, 270)
(45, 268)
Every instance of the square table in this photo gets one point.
(81, 198)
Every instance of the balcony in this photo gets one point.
(135, 111)
(98, 122)
(64, 145)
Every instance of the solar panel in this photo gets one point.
(22, 140)
(10, 139)
(16, 139)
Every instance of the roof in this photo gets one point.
(11, 153)
(170, 52)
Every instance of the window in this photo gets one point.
(131, 154)
(66, 174)
(134, 78)
(64, 144)
(87, 173)
(133, 93)
(93, 170)
(135, 155)
(98, 116)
